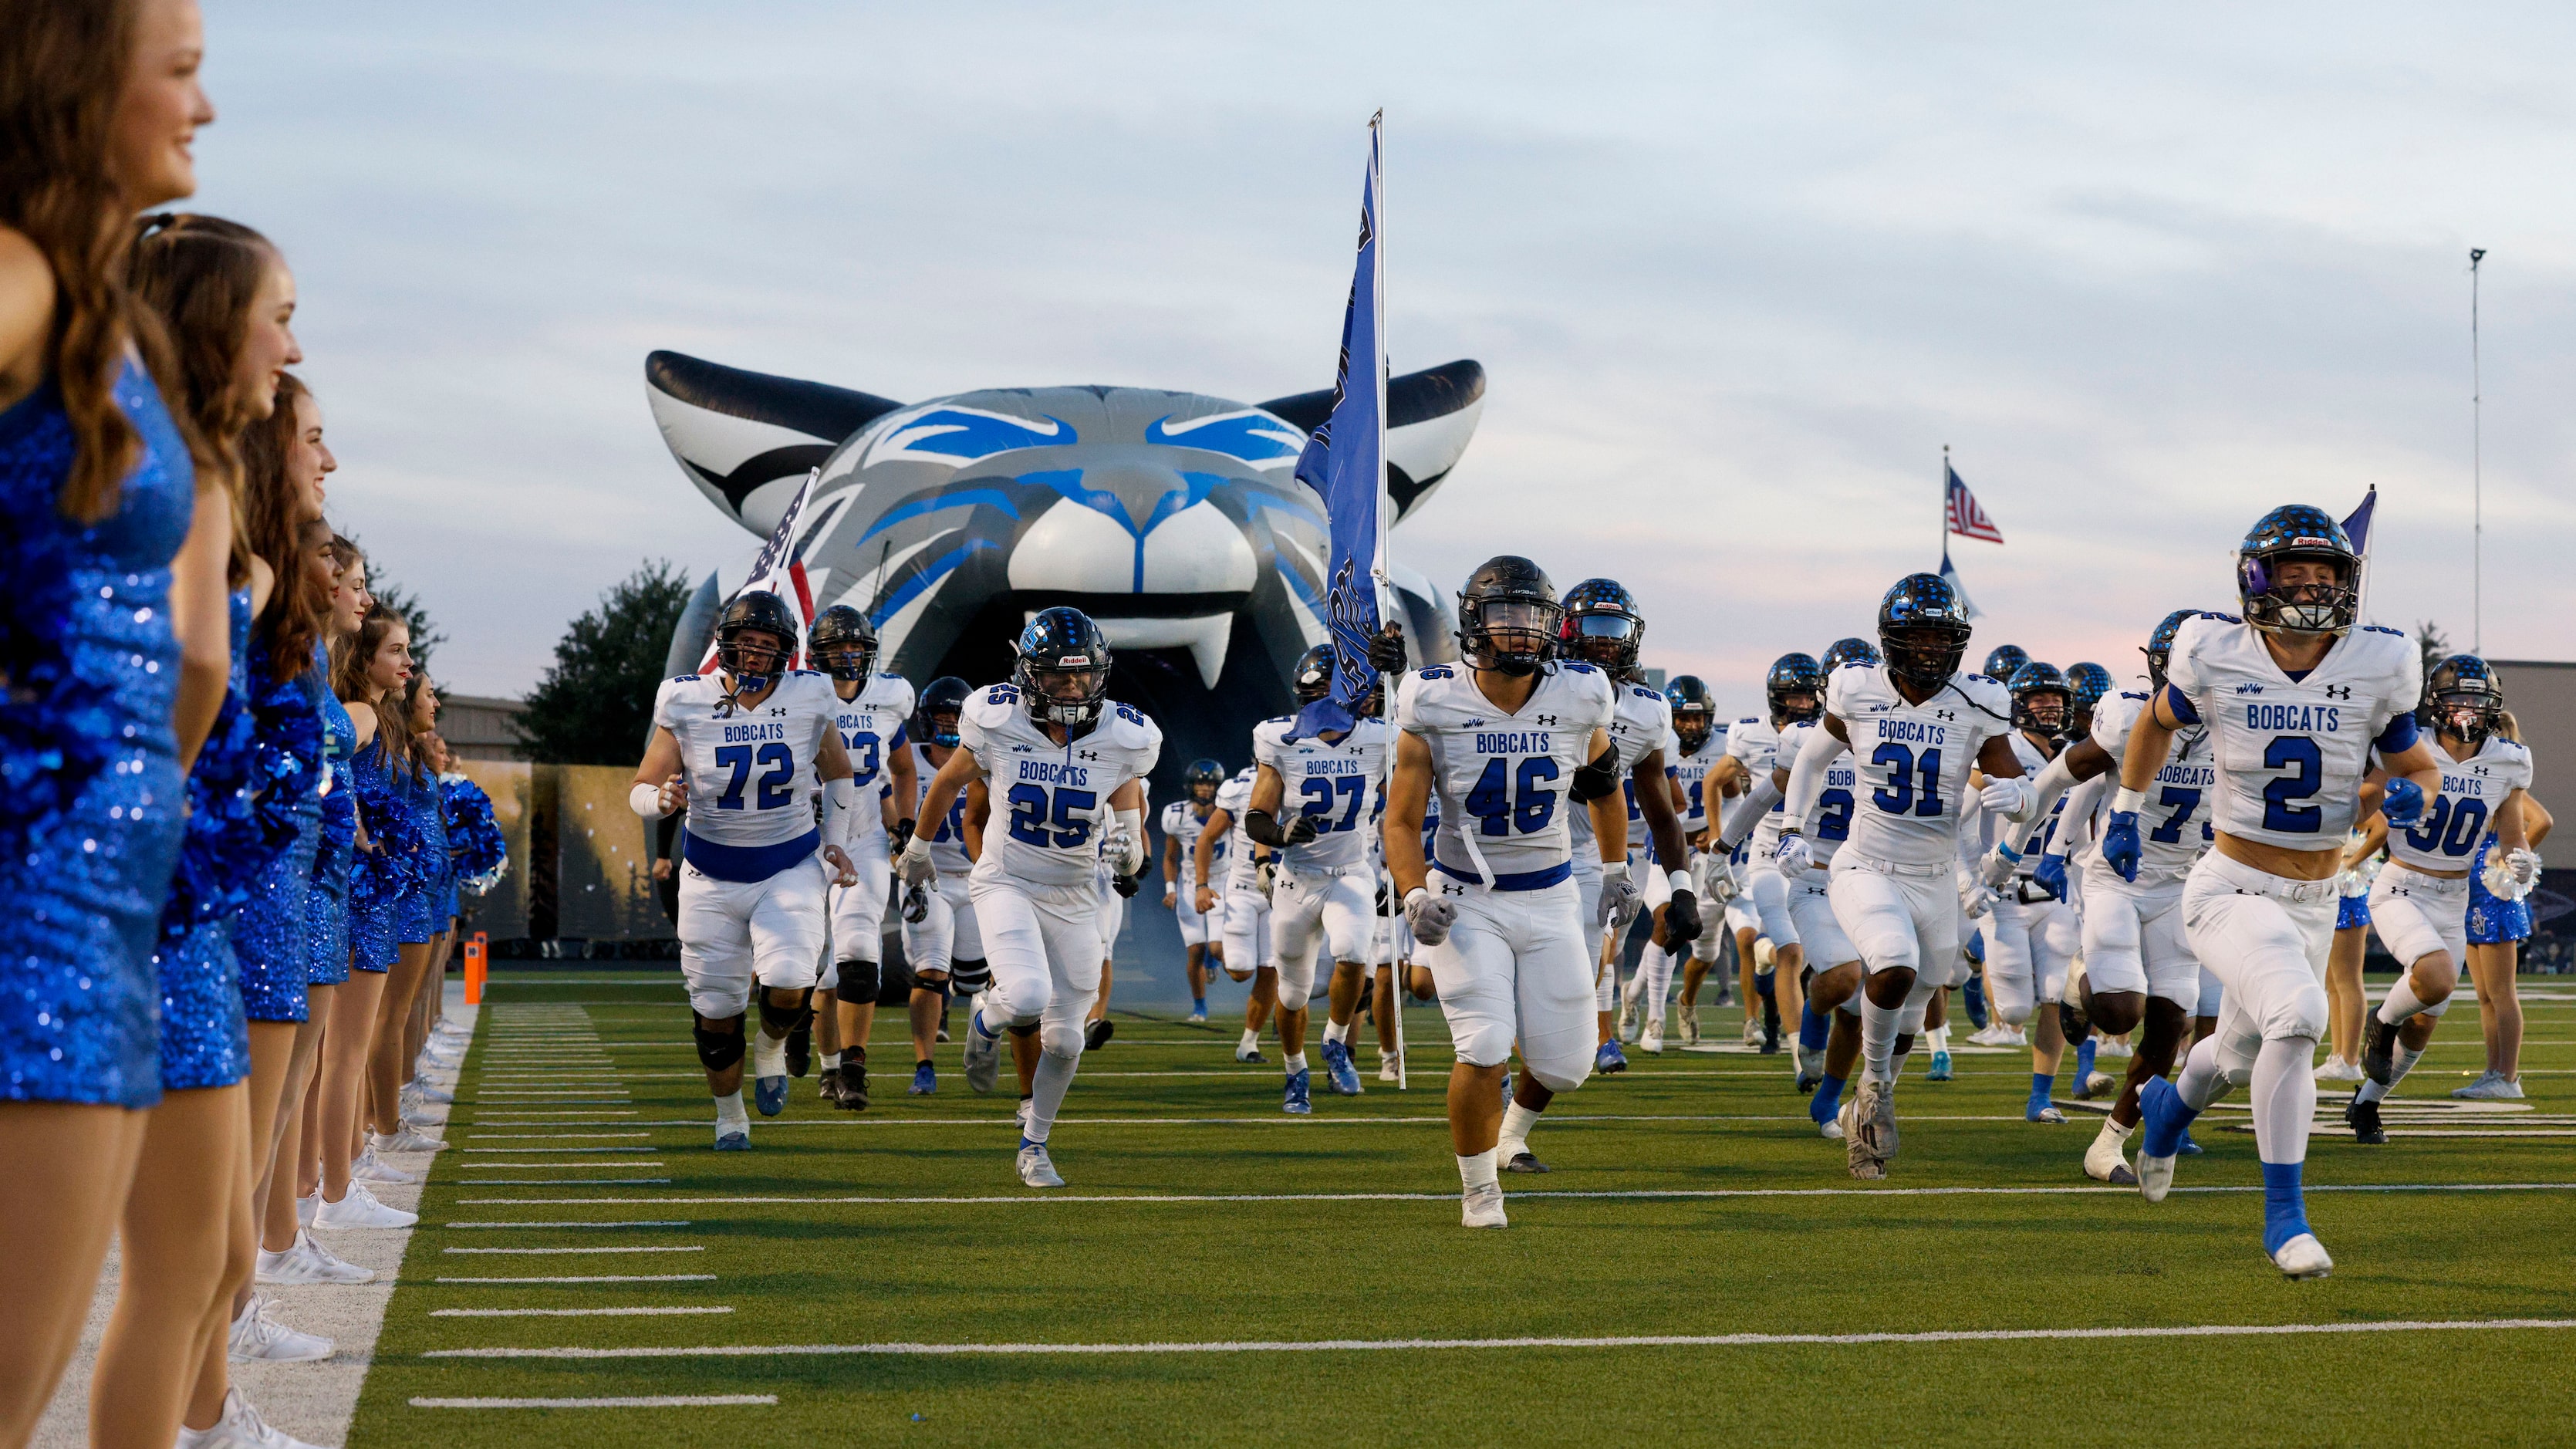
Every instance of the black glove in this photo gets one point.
(1264, 827)
(1386, 650)
(916, 904)
(902, 835)
(1681, 921)
(1125, 885)
(1299, 831)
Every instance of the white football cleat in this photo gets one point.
(1482, 1207)
(1833, 1131)
(1753, 1031)
(1627, 1023)
(361, 1210)
(2107, 1160)
(2303, 1257)
(1390, 1066)
(2155, 1176)
(1651, 1039)
(1877, 1102)
(2336, 1069)
(1690, 1023)
(1853, 1135)
(1036, 1168)
(2114, 1047)
(983, 1053)
(258, 1338)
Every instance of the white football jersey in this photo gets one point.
(1829, 824)
(2174, 828)
(2291, 754)
(1756, 743)
(1050, 801)
(872, 727)
(1912, 760)
(1692, 772)
(1335, 785)
(947, 835)
(1501, 779)
(1233, 865)
(1982, 828)
(750, 769)
(1641, 721)
(1183, 823)
(2446, 839)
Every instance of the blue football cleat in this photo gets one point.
(1297, 1101)
(770, 1095)
(1940, 1068)
(1609, 1059)
(1340, 1070)
(925, 1079)
(734, 1142)
(2189, 1147)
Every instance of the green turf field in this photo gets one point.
(1691, 1198)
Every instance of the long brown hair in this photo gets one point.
(201, 274)
(349, 660)
(61, 76)
(269, 504)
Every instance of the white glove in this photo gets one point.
(914, 866)
(1127, 843)
(1720, 885)
(2009, 798)
(1791, 854)
(1620, 901)
(1974, 897)
(1266, 875)
(1428, 917)
(1999, 866)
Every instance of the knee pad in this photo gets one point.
(1062, 1040)
(860, 981)
(776, 1020)
(717, 1050)
(1484, 1043)
(969, 978)
(2303, 1014)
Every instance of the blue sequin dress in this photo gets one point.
(2494, 922)
(326, 911)
(90, 802)
(381, 877)
(205, 1040)
(432, 899)
(268, 936)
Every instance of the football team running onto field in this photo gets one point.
(2157, 873)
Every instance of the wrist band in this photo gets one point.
(2128, 801)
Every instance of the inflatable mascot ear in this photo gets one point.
(1430, 415)
(734, 431)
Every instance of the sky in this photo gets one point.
(1736, 274)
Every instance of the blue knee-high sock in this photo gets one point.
(1199, 1005)
(1814, 1029)
(2165, 1115)
(2285, 1208)
(1828, 1100)
(1973, 996)
(2084, 1059)
(2043, 1088)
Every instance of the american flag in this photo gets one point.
(1966, 518)
(780, 570)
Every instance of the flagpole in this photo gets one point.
(1378, 568)
(1944, 549)
(2477, 471)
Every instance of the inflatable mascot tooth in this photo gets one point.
(1173, 518)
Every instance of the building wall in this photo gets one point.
(2542, 697)
(479, 727)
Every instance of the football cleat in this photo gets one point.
(1833, 1131)
(1993, 1033)
(2040, 1111)
(1524, 1161)
(1340, 1072)
(1197, 1017)
(925, 1079)
(2379, 1049)
(827, 1085)
(854, 1085)
(1609, 1060)
(1097, 1034)
(1249, 1053)
(2112, 1046)
(1940, 1071)
(1690, 1023)
(1877, 1103)
(800, 1049)
(733, 1141)
(1036, 1168)
(2107, 1159)
(2336, 1069)
(1626, 1029)
(983, 1054)
(1297, 1098)
(2155, 1174)
(1752, 1032)
(1390, 1066)
(1482, 1207)
(1651, 1039)
(2097, 1083)
(2302, 1257)
(769, 1094)
(2363, 1118)
(1854, 1135)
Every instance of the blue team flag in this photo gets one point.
(1345, 462)
(1950, 576)
(2357, 527)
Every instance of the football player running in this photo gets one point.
(1696, 744)
(873, 712)
(746, 749)
(1067, 765)
(1239, 903)
(2294, 698)
(1894, 884)
(1183, 819)
(941, 944)
(1507, 742)
(2419, 904)
(2031, 936)
(1794, 688)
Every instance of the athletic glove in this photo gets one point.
(913, 866)
(2051, 875)
(1428, 917)
(1124, 884)
(2404, 802)
(2121, 847)
(1791, 854)
(1263, 827)
(1386, 650)
(1681, 920)
(1720, 875)
(1265, 875)
(902, 834)
(2011, 798)
(916, 904)
(1619, 899)
(2000, 865)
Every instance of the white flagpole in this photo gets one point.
(1944, 548)
(1385, 506)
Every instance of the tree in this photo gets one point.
(595, 703)
(2435, 646)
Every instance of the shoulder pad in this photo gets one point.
(1001, 694)
(2382, 629)
(2229, 618)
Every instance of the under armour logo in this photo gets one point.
(1086, 754)
(1546, 719)
(2338, 691)
(1943, 714)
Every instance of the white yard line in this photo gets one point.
(550, 1137)
(1451, 1197)
(657, 1401)
(564, 1181)
(563, 1149)
(572, 1312)
(1381, 1345)
(597, 1278)
(513, 1166)
(691, 1248)
(631, 1223)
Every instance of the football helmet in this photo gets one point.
(2466, 698)
(1849, 651)
(2297, 533)
(1602, 626)
(1206, 773)
(751, 663)
(1694, 712)
(934, 715)
(2087, 685)
(1312, 679)
(1063, 670)
(1794, 674)
(1923, 630)
(2160, 644)
(1508, 616)
(2040, 698)
(2004, 661)
(842, 643)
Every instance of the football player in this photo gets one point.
(1507, 742)
(1183, 819)
(941, 941)
(873, 712)
(2293, 698)
(1696, 744)
(2419, 904)
(2031, 937)
(746, 749)
(1794, 688)
(1239, 902)
(1894, 884)
(1069, 766)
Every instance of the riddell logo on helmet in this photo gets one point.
(1073, 661)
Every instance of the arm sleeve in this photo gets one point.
(2076, 831)
(2399, 737)
(1749, 808)
(1807, 776)
(2054, 780)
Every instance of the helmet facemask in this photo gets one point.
(2311, 606)
(1064, 694)
(1924, 655)
(753, 656)
(1512, 634)
(1604, 640)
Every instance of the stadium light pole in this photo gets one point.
(2477, 470)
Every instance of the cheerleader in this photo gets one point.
(326, 925)
(98, 104)
(417, 922)
(2497, 927)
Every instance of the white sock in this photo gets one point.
(831, 1061)
(1657, 967)
(1054, 1077)
(1251, 1039)
(1517, 1122)
(1939, 1037)
(1337, 1031)
(1878, 1035)
(2284, 1098)
(1296, 1062)
(1478, 1170)
(2401, 1001)
(768, 1055)
(729, 1112)
(2400, 1062)
(2201, 1082)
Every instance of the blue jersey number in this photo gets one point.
(1319, 791)
(774, 781)
(1833, 815)
(2300, 754)
(2451, 827)
(952, 826)
(2182, 801)
(865, 757)
(1032, 813)
(1899, 795)
(1508, 800)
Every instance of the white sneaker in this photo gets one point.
(1993, 1033)
(243, 1428)
(1690, 1023)
(1197, 1017)
(1390, 1066)
(2336, 1069)
(1627, 1025)
(371, 1168)
(258, 1338)
(2107, 1160)
(1833, 1131)
(1036, 1168)
(306, 1206)
(1752, 1031)
(361, 1210)
(1651, 1040)
(2113, 1047)
(409, 1139)
(1482, 1207)
(305, 1261)
(424, 1091)
(2303, 1257)
(2490, 1087)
